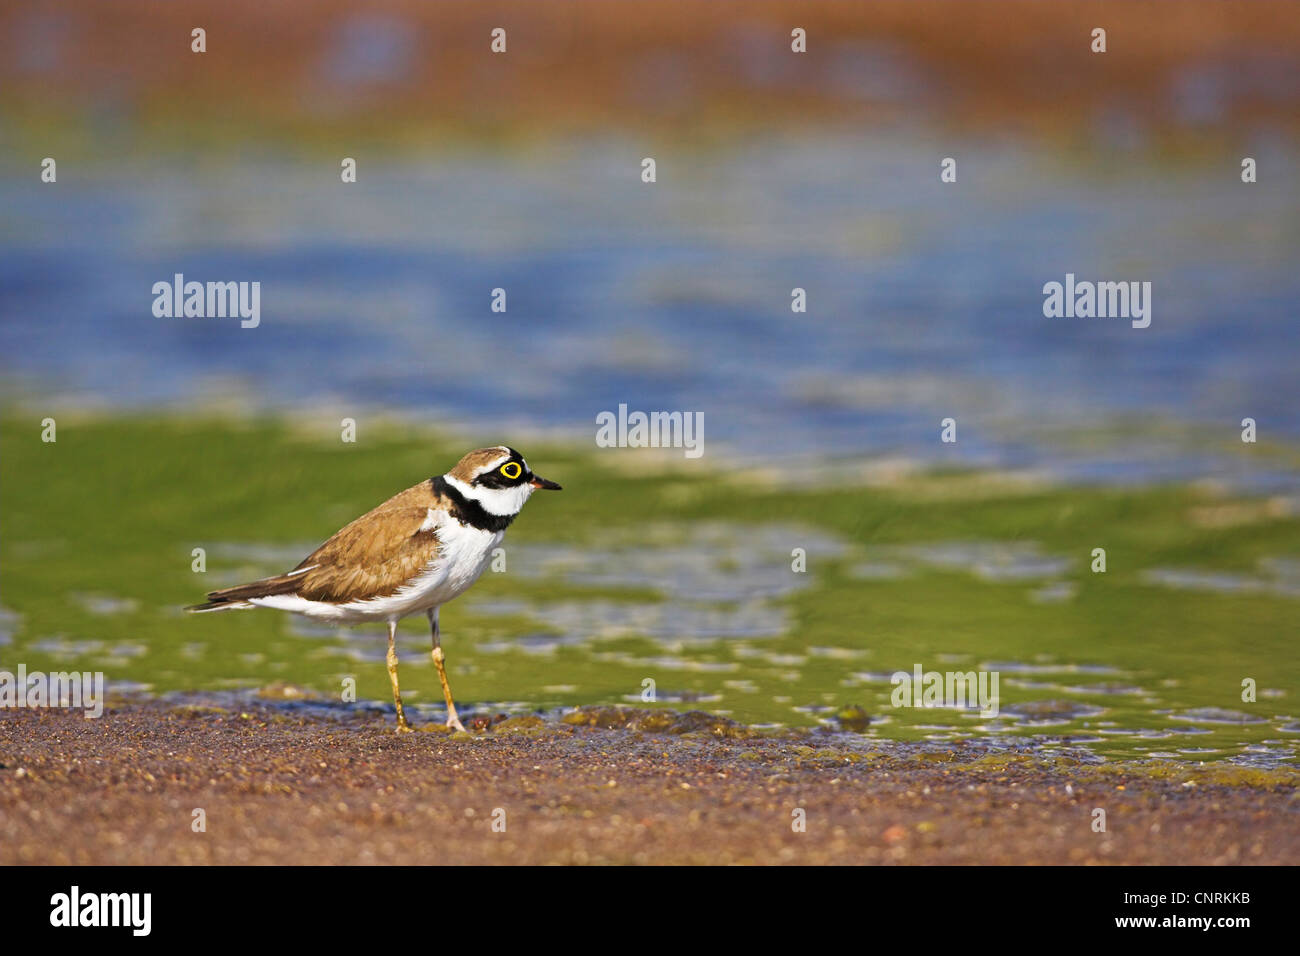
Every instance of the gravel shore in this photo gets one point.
(276, 786)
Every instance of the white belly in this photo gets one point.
(464, 554)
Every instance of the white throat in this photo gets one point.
(501, 502)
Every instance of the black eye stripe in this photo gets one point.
(497, 479)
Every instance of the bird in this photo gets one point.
(412, 554)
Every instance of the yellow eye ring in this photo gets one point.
(511, 470)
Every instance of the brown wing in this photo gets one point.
(372, 557)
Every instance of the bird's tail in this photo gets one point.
(229, 599)
(217, 605)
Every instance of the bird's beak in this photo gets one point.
(537, 481)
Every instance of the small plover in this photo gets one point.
(412, 554)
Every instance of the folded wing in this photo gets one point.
(372, 557)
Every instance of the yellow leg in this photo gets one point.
(402, 725)
(438, 658)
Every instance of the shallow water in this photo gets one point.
(709, 608)
(925, 300)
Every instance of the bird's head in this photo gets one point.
(497, 478)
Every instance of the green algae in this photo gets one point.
(655, 721)
(117, 506)
(853, 718)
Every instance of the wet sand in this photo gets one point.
(281, 786)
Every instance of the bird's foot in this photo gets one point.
(453, 723)
(404, 728)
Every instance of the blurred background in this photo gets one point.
(775, 170)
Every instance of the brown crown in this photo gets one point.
(477, 460)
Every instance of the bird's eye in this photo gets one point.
(512, 470)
